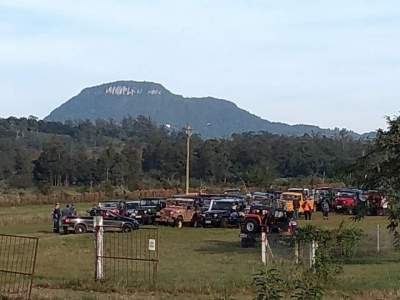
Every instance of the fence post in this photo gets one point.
(378, 239)
(296, 251)
(313, 248)
(263, 248)
(99, 232)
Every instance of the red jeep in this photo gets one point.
(273, 220)
(346, 201)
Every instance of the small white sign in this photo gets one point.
(152, 245)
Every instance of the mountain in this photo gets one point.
(210, 117)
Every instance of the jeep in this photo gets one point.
(179, 211)
(224, 212)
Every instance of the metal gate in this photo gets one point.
(17, 265)
(129, 258)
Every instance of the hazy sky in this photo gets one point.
(331, 63)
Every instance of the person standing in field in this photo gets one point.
(56, 215)
(66, 211)
(307, 207)
(384, 205)
(73, 210)
(325, 209)
(296, 207)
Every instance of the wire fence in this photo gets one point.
(375, 245)
(132, 258)
(17, 265)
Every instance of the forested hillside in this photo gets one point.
(137, 153)
(210, 116)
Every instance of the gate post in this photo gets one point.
(99, 232)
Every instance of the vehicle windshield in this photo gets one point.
(182, 203)
(289, 197)
(346, 194)
(206, 202)
(112, 215)
(150, 202)
(109, 204)
(222, 205)
(132, 205)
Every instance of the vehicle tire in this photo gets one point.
(222, 223)
(247, 242)
(251, 226)
(80, 228)
(244, 243)
(179, 223)
(65, 229)
(127, 228)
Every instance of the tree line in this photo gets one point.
(137, 153)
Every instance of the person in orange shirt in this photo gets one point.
(307, 208)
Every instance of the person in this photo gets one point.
(307, 207)
(292, 225)
(66, 211)
(73, 210)
(122, 211)
(325, 209)
(296, 207)
(234, 210)
(56, 215)
(385, 205)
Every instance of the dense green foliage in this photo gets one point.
(136, 153)
(303, 282)
(379, 169)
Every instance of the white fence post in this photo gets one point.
(378, 239)
(313, 248)
(296, 251)
(99, 233)
(263, 248)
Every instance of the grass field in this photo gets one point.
(194, 263)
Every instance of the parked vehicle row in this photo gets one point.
(349, 200)
(272, 209)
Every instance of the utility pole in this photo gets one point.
(189, 132)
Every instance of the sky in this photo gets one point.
(326, 63)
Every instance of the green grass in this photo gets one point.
(194, 263)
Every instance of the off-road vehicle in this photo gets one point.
(179, 211)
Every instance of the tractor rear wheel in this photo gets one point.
(251, 226)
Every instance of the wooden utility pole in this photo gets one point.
(189, 132)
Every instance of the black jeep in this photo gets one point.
(145, 210)
(224, 213)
